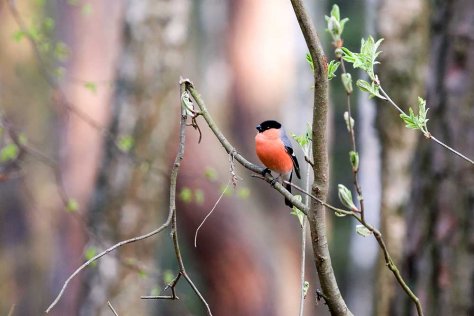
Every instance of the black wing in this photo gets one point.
(296, 165)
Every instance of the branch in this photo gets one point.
(170, 220)
(232, 151)
(316, 216)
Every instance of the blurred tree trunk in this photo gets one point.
(439, 254)
(404, 27)
(81, 145)
(132, 192)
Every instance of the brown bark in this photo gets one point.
(439, 254)
(404, 27)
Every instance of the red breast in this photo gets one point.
(271, 151)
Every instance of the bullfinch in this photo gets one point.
(274, 150)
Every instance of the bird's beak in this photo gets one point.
(259, 128)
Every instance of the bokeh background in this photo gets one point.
(89, 89)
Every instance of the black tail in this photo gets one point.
(288, 187)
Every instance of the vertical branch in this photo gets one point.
(316, 216)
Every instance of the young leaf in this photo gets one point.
(9, 152)
(363, 231)
(305, 288)
(309, 59)
(125, 143)
(332, 68)
(354, 158)
(72, 205)
(366, 59)
(297, 212)
(347, 82)
(345, 196)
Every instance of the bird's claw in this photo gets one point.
(265, 171)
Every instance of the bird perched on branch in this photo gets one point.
(274, 150)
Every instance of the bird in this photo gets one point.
(273, 148)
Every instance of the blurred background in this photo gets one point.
(89, 102)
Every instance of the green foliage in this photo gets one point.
(186, 195)
(335, 26)
(297, 212)
(89, 253)
(371, 88)
(125, 143)
(362, 230)
(304, 140)
(72, 205)
(309, 59)
(243, 193)
(210, 174)
(9, 152)
(332, 68)
(354, 158)
(345, 196)
(168, 276)
(417, 121)
(199, 196)
(366, 59)
(91, 86)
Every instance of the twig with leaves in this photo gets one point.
(366, 60)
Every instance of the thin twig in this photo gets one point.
(112, 308)
(428, 135)
(451, 149)
(12, 310)
(210, 212)
(171, 286)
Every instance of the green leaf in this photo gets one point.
(19, 35)
(199, 196)
(125, 143)
(297, 212)
(363, 231)
(168, 276)
(335, 26)
(243, 193)
(90, 252)
(72, 205)
(335, 12)
(354, 158)
(309, 59)
(186, 195)
(61, 51)
(304, 140)
(366, 59)
(372, 89)
(9, 152)
(48, 24)
(345, 196)
(332, 68)
(210, 173)
(339, 214)
(419, 121)
(91, 86)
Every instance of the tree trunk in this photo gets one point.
(439, 255)
(404, 27)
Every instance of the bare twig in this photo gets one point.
(171, 220)
(12, 310)
(210, 212)
(112, 308)
(171, 286)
